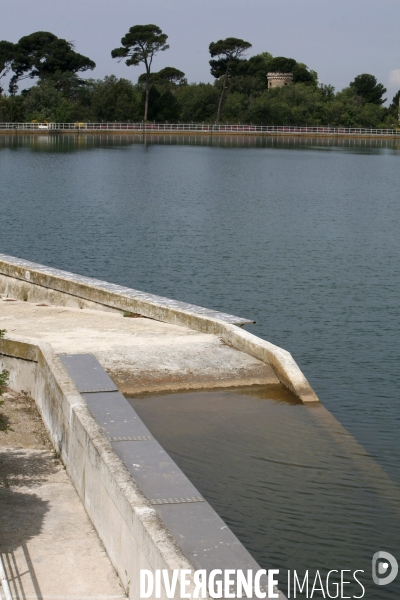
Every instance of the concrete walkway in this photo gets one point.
(49, 548)
(140, 354)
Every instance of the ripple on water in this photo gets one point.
(296, 488)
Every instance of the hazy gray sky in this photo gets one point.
(338, 38)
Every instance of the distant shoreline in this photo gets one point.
(175, 133)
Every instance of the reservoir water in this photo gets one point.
(302, 236)
(294, 486)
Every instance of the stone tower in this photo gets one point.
(279, 79)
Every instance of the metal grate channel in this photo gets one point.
(158, 476)
(87, 373)
(132, 438)
(116, 416)
(177, 500)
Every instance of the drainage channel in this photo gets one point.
(204, 538)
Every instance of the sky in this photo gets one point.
(337, 38)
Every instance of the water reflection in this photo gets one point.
(290, 481)
(72, 142)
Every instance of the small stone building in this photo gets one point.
(279, 79)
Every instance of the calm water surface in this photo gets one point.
(290, 481)
(302, 236)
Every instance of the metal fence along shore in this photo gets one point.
(197, 128)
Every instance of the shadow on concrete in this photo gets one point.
(21, 514)
(25, 468)
(21, 518)
(4, 422)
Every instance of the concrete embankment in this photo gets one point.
(52, 318)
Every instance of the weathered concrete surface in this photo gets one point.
(140, 354)
(32, 282)
(48, 545)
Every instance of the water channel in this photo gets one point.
(301, 235)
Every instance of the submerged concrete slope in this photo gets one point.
(36, 283)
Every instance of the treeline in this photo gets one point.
(239, 93)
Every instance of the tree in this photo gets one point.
(249, 76)
(140, 45)
(168, 75)
(301, 73)
(113, 99)
(228, 53)
(395, 102)
(43, 54)
(7, 50)
(198, 101)
(164, 106)
(44, 102)
(369, 89)
(281, 64)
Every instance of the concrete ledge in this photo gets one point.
(100, 292)
(18, 349)
(280, 360)
(43, 282)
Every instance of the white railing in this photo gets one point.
(197, 127)
(4, 582)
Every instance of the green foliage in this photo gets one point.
(112, 99)
(394, 106)
(164, 106)
(140, 45)
(369, 89)
(301, 73)
(11, 109)
(225, 56)
(302, 104)
(235, 109)
(4, 379)
(44, 102)
(225, 53)
(7, 51)
(43, 54)
(163, 102)
(238, 95)
(199, 102)
(4, 375)
(250, 76)
(167, 76)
